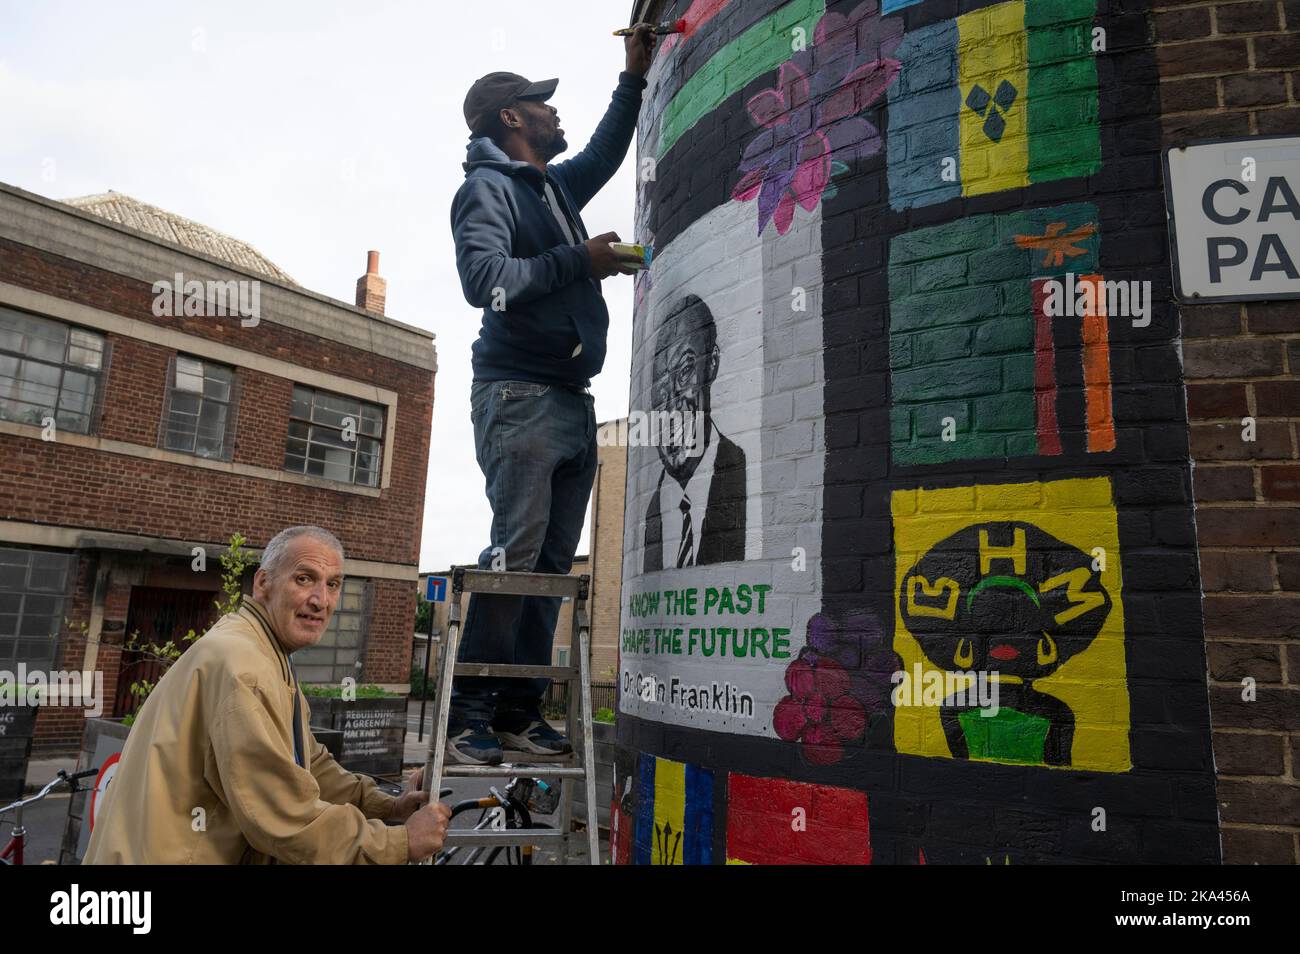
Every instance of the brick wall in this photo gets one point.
(1233, 69)
(606, 552)
(996, 477)
(392, 623)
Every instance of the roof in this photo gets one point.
(124, 210)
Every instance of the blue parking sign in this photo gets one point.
(435, 589)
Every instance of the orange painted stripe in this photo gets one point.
(1096, 369)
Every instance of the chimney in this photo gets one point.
(371, 289)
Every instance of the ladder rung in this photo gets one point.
(578, 765)
(519, 584)
(508, 769)
(512, 671)
(514, 836)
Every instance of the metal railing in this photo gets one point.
(555, 701)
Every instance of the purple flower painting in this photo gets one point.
(839, 678)
(810, 125)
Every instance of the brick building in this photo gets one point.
(1229, 70)
(869, 209)
(606, 551)
(134, 432)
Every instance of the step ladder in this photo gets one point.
(579, 764)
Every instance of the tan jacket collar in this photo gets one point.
(257, 614)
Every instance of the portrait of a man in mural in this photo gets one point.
(696, 515)
(1006, 598)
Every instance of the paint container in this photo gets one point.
(643, 252)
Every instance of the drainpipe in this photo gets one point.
(93, 631)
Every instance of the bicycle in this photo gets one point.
(12, 854)
(504, 810)
(512, 809)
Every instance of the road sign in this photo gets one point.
(1234, 218)
(102, 781)
(435, 589)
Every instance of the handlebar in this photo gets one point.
(63, 776)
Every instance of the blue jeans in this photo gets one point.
(536, 446)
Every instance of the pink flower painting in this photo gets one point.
(810, 125)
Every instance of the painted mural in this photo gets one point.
(810, 122)
(779, 822)
(982, 313)
(717, 611)
(1021, 584)
(762, 42)
(834, 686)
(995, 99)
(673, 824)
(923, 589)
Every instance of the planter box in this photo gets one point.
(332, 739)
(101, 739)
(16, 726)
(374, 731)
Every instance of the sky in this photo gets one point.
(315, 131)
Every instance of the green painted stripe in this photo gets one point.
(1009, 582)
(1064, 135)
(764, 46)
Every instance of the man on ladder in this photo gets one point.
(524, 257)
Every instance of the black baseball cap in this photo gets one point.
(491, 93)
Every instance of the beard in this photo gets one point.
(547, 143)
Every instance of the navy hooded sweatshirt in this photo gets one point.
(538, 298)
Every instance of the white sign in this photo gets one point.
(108, 751)
(1234, 209)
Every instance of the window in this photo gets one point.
(199, 404)
(48, 369)
(334, 437)
(562, 656)
(340, 651)
(33, 591)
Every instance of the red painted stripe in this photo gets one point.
(1049, 433)
(1096, 369)
(700, 13)
(836, 829)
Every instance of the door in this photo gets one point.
(158, 614)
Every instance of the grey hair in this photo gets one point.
(278, 549)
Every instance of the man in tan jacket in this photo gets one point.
(221, 767)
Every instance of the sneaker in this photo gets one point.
(473, 744)
(529, 732)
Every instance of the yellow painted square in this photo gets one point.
(1078, 512)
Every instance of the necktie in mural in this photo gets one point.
(996, 99)
(686, 552)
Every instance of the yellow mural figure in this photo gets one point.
(1029, 669)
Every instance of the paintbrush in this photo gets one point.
(668, 26)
